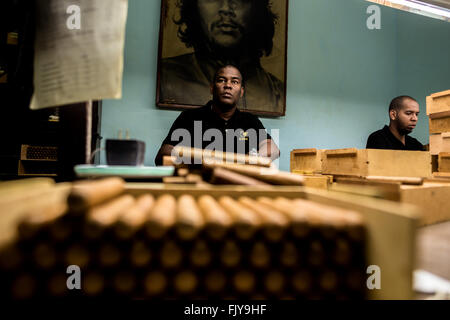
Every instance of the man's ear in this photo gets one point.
(211, 88)
(242, 92)
(393, 114)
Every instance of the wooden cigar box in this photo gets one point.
(438, 102)
(387, 222)
(315, 180)
(439, 143)
(306, 161)
(374, 162)
(431, 195)
(439, 122)
(431, 198)
(444, 162)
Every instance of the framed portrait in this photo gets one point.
(198, 36)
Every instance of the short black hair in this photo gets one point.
(213, 80)
(397, 102)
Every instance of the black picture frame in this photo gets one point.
(185, 67)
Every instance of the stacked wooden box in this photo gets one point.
(430, 195)
(308, 163)
(362, 162)
(376, 162)
(387, 174)
(438, 110)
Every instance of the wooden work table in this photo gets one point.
(433, 251)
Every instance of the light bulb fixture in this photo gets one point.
(425, 8)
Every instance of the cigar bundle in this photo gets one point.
(187, 247)
(216, 167)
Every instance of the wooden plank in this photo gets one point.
(437, 178)
(158, 189)
(305, 151)
(387, 222)
(433, 251)
(369, 189)
(352, 152)
(316, 181)
(378, 188)
(402, 180)
(440, 115)
(374, 162)
(444, 162)
(442, 175)
(399, 163)
(432, 198)
(439, 124)
(345, 162)
(438, 102)
(440, 94)
(439, 143)
(306, 160)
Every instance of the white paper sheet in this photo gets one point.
(73, 66)
(426, 282)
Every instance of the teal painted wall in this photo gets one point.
(424, 61)
(341, 76)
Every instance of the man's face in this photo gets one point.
(227, 87)
(407, 116)
(225, 22)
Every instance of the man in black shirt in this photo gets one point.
(219, 125)
(403, 114)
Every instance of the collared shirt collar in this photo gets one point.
(391, 135)
(233, 117)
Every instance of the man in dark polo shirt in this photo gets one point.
(403, 114)
(219, 125)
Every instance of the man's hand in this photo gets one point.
(165, 150)
(268, 148)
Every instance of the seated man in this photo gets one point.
(219, 125)
(403, 114)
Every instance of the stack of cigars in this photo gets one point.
(216, 167)
(169, 247)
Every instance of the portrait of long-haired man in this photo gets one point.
(198, 36)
